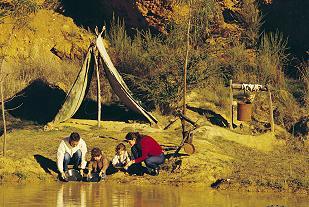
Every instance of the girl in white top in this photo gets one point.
(121, 157)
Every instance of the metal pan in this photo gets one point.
(73, 175)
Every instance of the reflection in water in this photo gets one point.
(124, 195)
(95, 194)
(73, 195)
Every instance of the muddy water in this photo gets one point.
(102, 194)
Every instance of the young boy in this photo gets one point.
(98, 163)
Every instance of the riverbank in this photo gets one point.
(250, 163)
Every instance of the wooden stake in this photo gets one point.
(3, 117)
(183, 123)
(98, 89)
(231, 104)
(271, 113)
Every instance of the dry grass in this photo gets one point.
(61, 73)
(271, 59)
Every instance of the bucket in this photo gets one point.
(244, 111)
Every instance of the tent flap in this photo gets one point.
(79, 89)
(119, 86)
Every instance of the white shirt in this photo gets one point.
(65, 146)
(121, 160)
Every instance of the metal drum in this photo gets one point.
(244, 111)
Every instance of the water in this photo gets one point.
(124, 195)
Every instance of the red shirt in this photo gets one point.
(149, 148)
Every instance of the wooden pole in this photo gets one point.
(3, 117)
(271, 113)
(1, 90)
(183, 123)
(231, 104)
(98, 89)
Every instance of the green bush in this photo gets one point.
(151, 70)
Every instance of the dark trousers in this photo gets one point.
(75, 160)
(152, 162)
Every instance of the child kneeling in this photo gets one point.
(121, 157)
(98, 163)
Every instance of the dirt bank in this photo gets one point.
(252, 163)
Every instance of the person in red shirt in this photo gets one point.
(145, 148)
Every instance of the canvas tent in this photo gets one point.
(81, 85)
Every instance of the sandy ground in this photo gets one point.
(224, 157)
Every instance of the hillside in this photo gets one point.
(48, 40)
(43, 43)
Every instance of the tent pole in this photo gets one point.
(98, 89)
(183, 123)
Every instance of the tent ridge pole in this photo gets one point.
(98, 88)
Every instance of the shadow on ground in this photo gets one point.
(109, 112)
(47, 164)
(40, 101)
(213, 117)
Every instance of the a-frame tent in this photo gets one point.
(81, 85)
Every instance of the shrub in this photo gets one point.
(252, 22)
(51, 4)
(236, 63)
(271, 59)
(206, 15)
(148, 66)
(304, 71)
(283, 100)
(19, 10)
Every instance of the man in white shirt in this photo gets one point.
(72, 150)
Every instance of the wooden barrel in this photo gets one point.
(244, 111)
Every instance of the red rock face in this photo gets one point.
(142, 13)
(155, 12)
